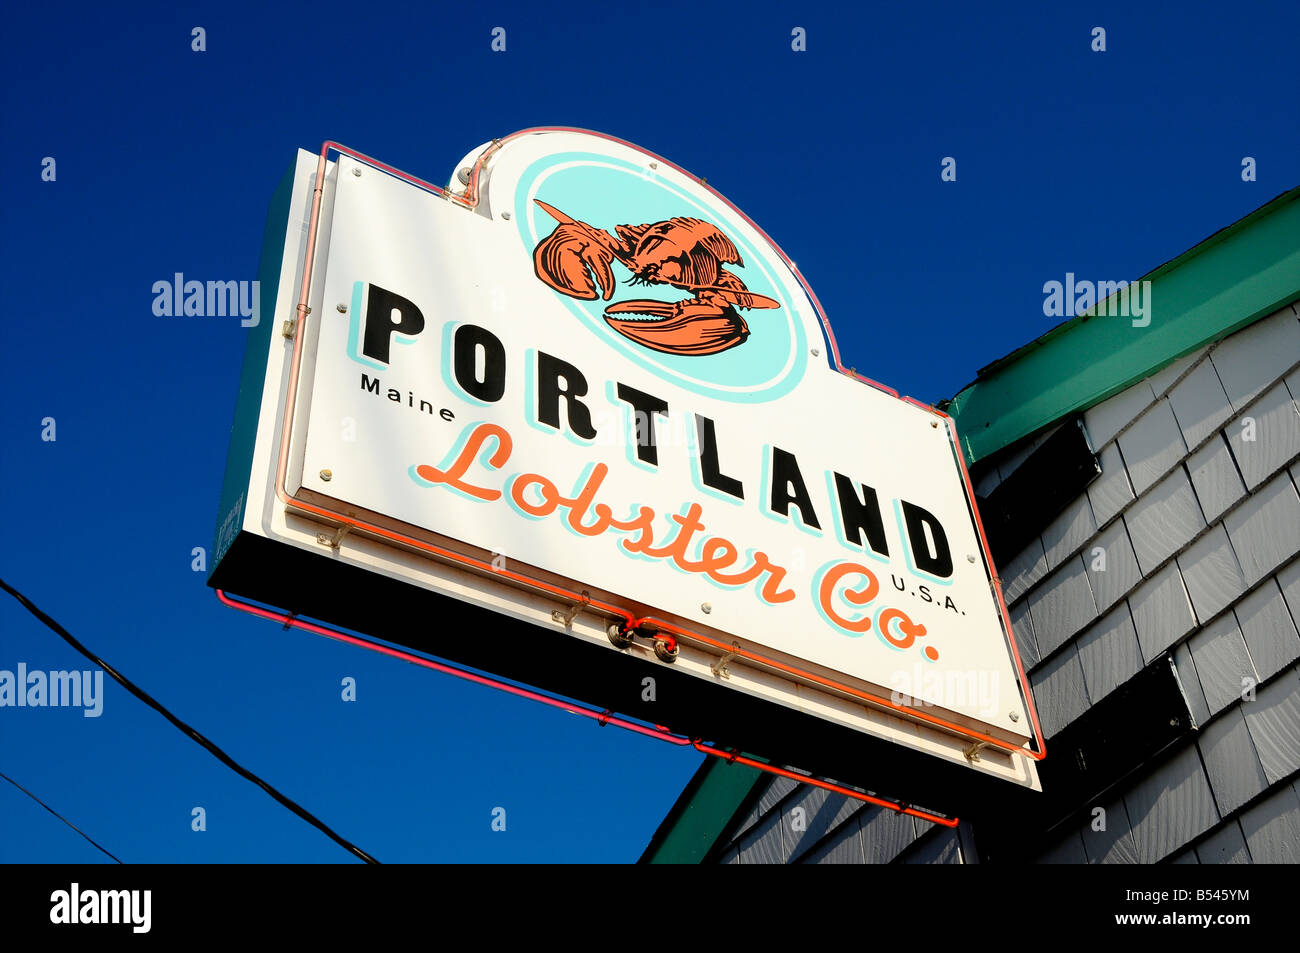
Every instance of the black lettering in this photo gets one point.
(788, 487)
(936, 563)
(468, 341)
(550, 372)
(388, 314)
(710, 472)
(370, 385)
(644, 409)
(861, 514)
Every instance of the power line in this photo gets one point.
(190, 732)
(101, 849)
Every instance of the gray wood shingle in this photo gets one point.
(939, 847)
(1199, 404)
(1061, 605)
(1274, 722)
(1109, 653)
(1273, 424)
(1265, 528)
(1211, 573)
(1171, 806)
(1252, 359)
(1068, 531)
(1215, 478)
(1152, 446)
(885, 834)
(1112, 566)
(1190, 682)
(765, 844)
(1113, 844)
(1111, 491)
(844, 846)
(1222, 662)
(777, 788)
(1162, 611)
(1107, 418)
(812, 813)
(1227, 845)
(1272, 828)
(1164, 379)
(1163, 520)
(1235, 773)
(1022, 627)
(1059, 691)
(1029, 566)
(1068, 850)
(1288, 578)
(1268, 629)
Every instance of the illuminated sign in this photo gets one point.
(588, 373)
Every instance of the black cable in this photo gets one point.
(102, 850)
(186, 729)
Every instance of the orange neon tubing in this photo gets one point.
(602, 718)
(470, 200)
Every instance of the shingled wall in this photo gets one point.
(1187, 543)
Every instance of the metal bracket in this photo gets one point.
(290, 326)
(568, 615)
(325, 539)
(719, 668)
(973, 752)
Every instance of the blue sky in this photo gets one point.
(1102, 164)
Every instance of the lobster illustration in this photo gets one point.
(686, 253)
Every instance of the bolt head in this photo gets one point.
(506, 216)
(327, 475)
(815, 352)
(357, 173)
(1014, 716)
(342, 308)
(706, 608)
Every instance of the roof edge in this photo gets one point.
(1237, 275)
(702, 812)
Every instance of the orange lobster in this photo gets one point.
(686, 253)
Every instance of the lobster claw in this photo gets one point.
(691, 327)
(569, 257)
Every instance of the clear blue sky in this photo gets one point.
(1103, 164)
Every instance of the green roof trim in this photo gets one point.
(1236, 276)
(701, 813)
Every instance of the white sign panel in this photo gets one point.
(604, 373)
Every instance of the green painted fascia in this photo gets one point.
(1236, 276)
(248, 405)
(701, 813)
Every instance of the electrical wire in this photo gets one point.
(190, 732)
(98, 847)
